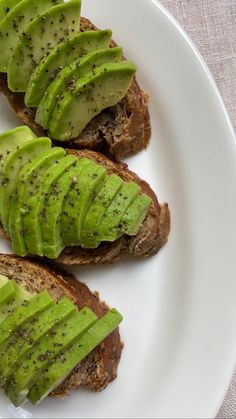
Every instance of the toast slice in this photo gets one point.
(100, 367)
(152, 235)
(119, 131)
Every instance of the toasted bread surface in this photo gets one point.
(152, 235)
(119, 131)
(100, 367)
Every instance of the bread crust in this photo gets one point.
(100, 367)
(119, 131)
(152, 235)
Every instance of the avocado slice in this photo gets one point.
(7, 292)
(40, 36)
(28, 182)
(14, 162)
(28, 335)
(52, 211)
(83, 191)
(67, 78)
(59, 57)
(109, 228)
(56, 373)
(3, 280)
(99, 89)
(6, 6)
(19, 297)
(11, 139)
(58, 340)
(16, 22)
(135, 214)
(23, 313)
(34, 217)
(7, 305)
(97, 210)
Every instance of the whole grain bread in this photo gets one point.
(119, 131)
(152, 235)
(100, 367)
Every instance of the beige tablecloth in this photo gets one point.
(212, 26)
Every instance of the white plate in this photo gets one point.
(179, 307)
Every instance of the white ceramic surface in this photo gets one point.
(179, 307)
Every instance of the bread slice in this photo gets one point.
(152, 235)
(119, 131)
(100, 367)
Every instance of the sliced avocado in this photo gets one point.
(108, 229)
(97, 210)
(16, 22)
(58, 340)
(40, 36)
(14, 162)
(3, 280)
(11, 139)
(28, 182)
(20, 296)
(60, 56)
(33, 218)
(99, 89)
(52, 211)
(56, 373)
(27, 335)
(7, 292)
(23, 313)
(67, 78)
(135, 214)
(83, 191)
(6, 6)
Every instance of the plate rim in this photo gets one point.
(228, 122)
(201, 60)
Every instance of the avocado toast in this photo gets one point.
(70, 83)
(77, 207)
(118, 130)
(100, 366)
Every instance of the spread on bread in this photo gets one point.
(70, 76)
(50, 200)
(42, 341)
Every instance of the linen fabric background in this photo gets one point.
(211, 24)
